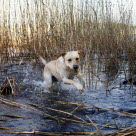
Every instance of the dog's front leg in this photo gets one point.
(79, 76)
(77, 85)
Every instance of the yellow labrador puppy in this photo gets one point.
(64, 69)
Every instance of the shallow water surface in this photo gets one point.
(50, 112)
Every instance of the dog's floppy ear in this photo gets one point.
(61, 54)
(81, 52)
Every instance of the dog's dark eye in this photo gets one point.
(77, 59)
(69, 60)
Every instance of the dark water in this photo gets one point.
(30, 78)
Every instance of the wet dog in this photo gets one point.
(64, 69)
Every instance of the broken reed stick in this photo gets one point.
(16, 116)
(7, 82)
(7, 128)
(75, 109)
(4, 86)
(125, 132)
(1, 127)
(102, 126)
(12, 89)
(50, 133)
(92, 122)
(115, 111)
(61, 119)
(9, 102)
(3, 82)
(98, 130)
(28, 107)
(64, 112)
(14, 85)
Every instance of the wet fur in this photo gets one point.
(62, 70)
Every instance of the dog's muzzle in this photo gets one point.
(75, 68)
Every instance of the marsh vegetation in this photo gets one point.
(48, 27)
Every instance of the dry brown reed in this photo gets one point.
(57, 117)
(50, 27)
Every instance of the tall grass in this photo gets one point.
(49, 27)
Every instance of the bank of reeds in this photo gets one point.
(50, 27)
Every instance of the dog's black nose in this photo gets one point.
(75, 67)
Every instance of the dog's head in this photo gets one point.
(72, 59)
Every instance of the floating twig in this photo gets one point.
(50, 133)
(92, 122)
(1, 127)
(16, 116)
(98, 130)
(9, 102)
(64, 112)
(115, 111)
